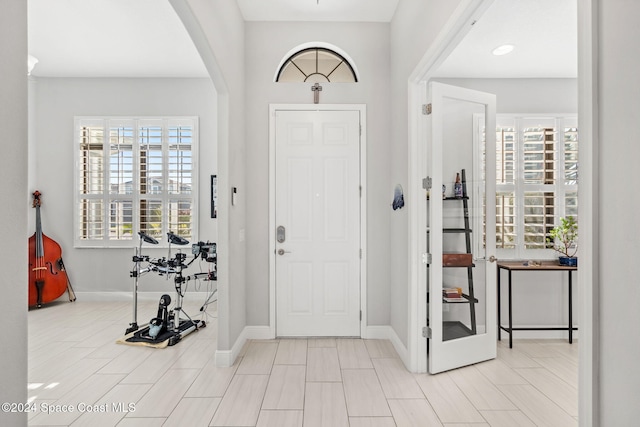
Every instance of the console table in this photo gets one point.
(512, 266)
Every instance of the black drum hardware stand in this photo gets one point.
(168, 324)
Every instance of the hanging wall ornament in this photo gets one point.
(398, 198)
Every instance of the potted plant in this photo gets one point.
(564, 237)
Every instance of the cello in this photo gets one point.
(47, 276)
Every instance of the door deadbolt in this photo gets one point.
(280, 234)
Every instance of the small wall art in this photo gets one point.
(214, 196)
(398, 198)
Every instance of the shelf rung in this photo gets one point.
(455, 230)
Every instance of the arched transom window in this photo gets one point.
(316, 65)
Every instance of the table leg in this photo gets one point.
(570, 310)
(510, 315)
(499, 324)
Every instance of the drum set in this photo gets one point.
(169, 324)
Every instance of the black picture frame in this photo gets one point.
(214, 196)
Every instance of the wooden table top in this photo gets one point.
(534, 265)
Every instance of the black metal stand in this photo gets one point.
(169, 325)
(541, 266)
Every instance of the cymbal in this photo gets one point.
(147, 238)
(177, 240)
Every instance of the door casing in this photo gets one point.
(361, 108)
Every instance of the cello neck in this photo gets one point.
(39, 244)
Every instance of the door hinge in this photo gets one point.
(426, 259)
(361, 191)
(426, 332)
(360, 253)
(426, 109)
(360, 314)
(360, 130)
(427, 183)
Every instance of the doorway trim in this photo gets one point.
(454, 30)
(361, 108)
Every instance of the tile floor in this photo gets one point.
(74, 361)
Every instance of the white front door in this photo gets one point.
(317, 220)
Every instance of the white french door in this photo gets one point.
(317, 221)
(462, 328)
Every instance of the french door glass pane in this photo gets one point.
(463, 284)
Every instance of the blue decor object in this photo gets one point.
(398, 198)
(568, 261)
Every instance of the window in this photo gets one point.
(134, 174)
(536, 181)
(316, 65)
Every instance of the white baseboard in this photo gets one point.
(386, 332)
(226, 358)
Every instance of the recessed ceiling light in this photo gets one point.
(503, 50)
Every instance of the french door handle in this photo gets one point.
(282, 252)
(492, 258)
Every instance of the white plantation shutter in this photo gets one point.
(536, 181)
(135, 174)
(506, 221)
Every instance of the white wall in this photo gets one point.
(618, 154)
(13, 216)
(368, 45)
(538, 96)
(57, 101)
(217, 30)
(414, 28)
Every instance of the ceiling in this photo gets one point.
(544, 33)
(110, 38)
(318, 10)
(145, 38)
